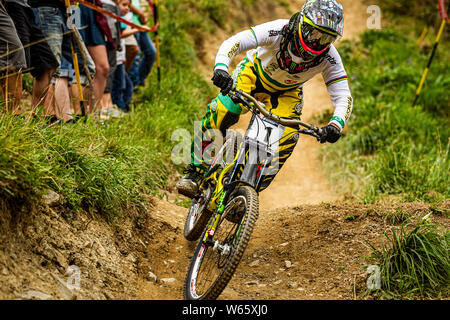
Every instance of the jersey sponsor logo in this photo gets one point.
(330, 59)
(234, 49)
(275, 33)
(289, 81)
(349, 109)
(271, 68)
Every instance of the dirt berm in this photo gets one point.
(302, 252)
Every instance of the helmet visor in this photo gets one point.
(298, 51)
(314, 38)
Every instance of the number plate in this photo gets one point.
(266, 131)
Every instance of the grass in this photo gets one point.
(414, 261)
(391, 147)
(102, 169)
(396, 216)
(107, 168)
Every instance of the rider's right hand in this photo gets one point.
(223, 80)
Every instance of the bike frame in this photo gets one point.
(250, 173)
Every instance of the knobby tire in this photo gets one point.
(247, 223)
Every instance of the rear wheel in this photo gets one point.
(214, 264)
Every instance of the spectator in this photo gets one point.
(108, 109)
(12, 61)
(131, 45)
(143, 63)
(50, 17)
(39, 58)
(122, 90)
(87, 90)
(97, 36)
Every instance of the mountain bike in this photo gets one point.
(224, 212)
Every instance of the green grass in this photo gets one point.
(392, 148)
(414, 261)
(102, 169)
(424, 11)
(108, 168)
(397, 216)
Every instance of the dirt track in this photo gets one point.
(306, 252)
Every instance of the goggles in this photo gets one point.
(313, 40)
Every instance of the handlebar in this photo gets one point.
(251, 103)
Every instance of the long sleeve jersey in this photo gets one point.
(262, 44)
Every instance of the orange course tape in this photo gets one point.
(442, 11)
(118, 18)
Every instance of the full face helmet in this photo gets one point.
(311, 31)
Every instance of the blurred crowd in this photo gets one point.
(113, 58)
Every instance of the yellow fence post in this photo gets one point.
(433, 52)
(76, 67)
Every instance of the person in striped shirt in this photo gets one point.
(281, 56)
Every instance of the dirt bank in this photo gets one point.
(47, 253)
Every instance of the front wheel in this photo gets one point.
(213, 264)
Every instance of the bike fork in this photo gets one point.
(207, 240)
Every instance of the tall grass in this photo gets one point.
(107, 168)
(392, 148)
(414, 261)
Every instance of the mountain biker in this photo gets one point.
(281, 56)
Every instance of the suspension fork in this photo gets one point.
(217, 216)
(222, 194)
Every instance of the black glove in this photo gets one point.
(330, 134)
(222, 80)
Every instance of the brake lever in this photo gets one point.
(310, 132)
(237, 98)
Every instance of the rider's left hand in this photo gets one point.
(223, 80)
(330, 134)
